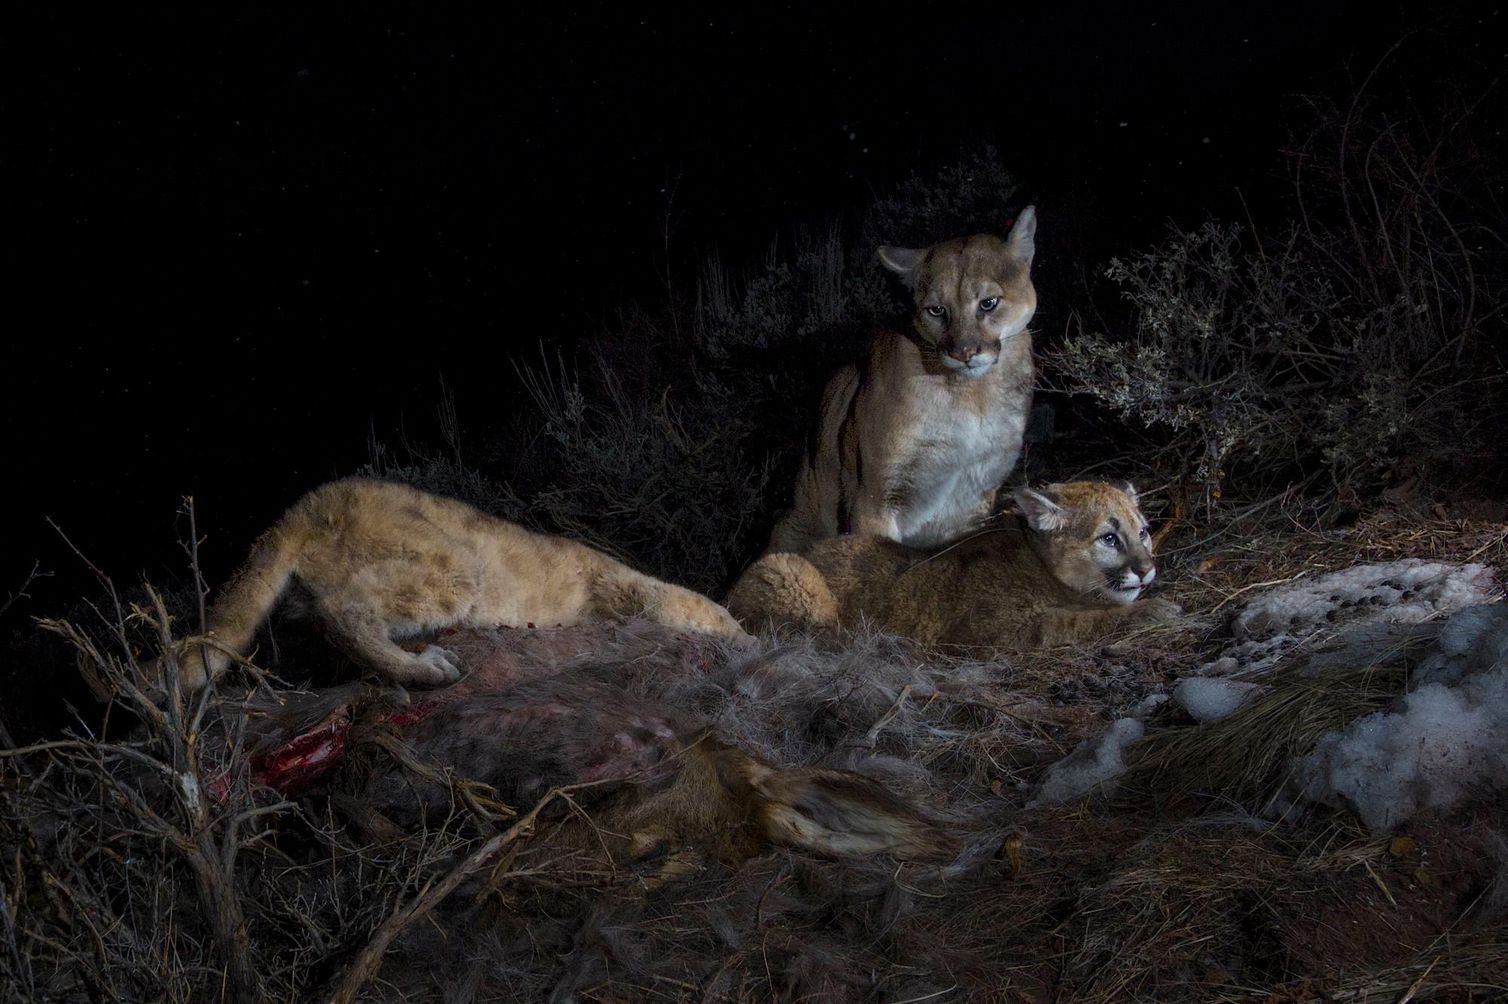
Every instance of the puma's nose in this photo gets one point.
(964, 353)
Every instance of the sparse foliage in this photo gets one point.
(1328, 350)
(145, 863)
(140, 859)
(670, 439)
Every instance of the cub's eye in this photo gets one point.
(1110, 540)
(989, 303)
(1143, 535)
(937, 310)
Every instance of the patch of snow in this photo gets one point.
(1209, 699)
(1093, 762)
(1446, 740)
(1149, 704)
(1409, 590)
(1352, 611)
(1473, 641)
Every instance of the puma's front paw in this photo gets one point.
(436, 666)
(694, 612)
(724, 626)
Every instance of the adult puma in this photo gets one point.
(912, 443)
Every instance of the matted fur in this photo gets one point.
(630, 702)
(792, 926)
(1171, 891)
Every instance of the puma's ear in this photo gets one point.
(903, 262)
(1041, 510)
(1125, 486)
(1022, 240)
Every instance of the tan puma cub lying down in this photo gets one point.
(382, 561)
(1067, 569)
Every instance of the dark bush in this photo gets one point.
(670, 439)
(1338, 350)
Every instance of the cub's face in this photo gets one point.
(972, 293)
(1093, 536)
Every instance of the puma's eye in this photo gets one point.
(1143, 533)
(937, 310)
(989, 303)
(1110, 540)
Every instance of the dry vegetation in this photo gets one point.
(1339, 350)
(157, 864)
(671, 440)
(149, 855)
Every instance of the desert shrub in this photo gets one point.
(670, 438)
(444, 472)
(146, 862)
(666, 481)
(1327, 351)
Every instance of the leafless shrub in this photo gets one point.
(665, 481)
(144, 863)
(443, 471)
(670, 437)
(1328, 350)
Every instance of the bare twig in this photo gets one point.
(873, 735)
(20, 592)
(370, 959)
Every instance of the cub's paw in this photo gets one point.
(722, 624)
(711, 618)
(436, 666)
(729, 632)
(727, 627)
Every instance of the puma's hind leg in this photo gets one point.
(782, 590)
(619, 592)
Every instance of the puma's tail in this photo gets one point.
(245, 602)
(783, 590)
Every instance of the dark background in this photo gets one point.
(241, 241)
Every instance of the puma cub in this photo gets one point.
(381, 561)
(1066, 570)
(912, 443)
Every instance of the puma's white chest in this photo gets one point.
(957, 457)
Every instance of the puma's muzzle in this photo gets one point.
(972, 358)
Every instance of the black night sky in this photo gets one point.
(242, 239)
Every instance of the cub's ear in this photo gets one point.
(1124, 486)
(1041, 510)
(1022, 240)
(902, 261)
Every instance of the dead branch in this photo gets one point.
(370, 959)
(20, 593)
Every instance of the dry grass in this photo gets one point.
(1280, 543)
(116, 884)
(1243, 756)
